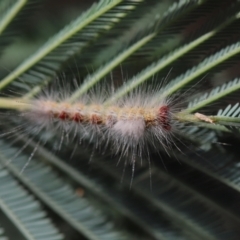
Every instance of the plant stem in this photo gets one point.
(14, 103)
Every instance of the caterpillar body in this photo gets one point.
(130, 125)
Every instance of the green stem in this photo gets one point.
(14, 103)
(11, 14)
(213, 122)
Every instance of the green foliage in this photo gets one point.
(48, 194)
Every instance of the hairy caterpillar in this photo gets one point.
(131, 126)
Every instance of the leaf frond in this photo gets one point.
(21, 208)
(60, 196)
(205, 66)
(167, 61)
(156, 67)
(92, 79)
(216, 94)
(169, 199)
(8, 15)
(162, 18)
(203, 136)
(92, 183)
(170, 16)
(12, 18)
(48, 59)
(230, 116)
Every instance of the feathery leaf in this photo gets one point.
(10, 13)
(206, 65)
(54, 192)
(22, 209)
(48, 59)
(216, 94)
